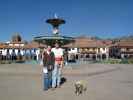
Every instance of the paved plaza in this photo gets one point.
(104, 82)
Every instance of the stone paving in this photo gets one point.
(104, 82)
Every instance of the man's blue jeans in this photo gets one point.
(47, 80)
(56, 76)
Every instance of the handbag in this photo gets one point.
(41, 62)
(50, 67)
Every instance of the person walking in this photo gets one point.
(56, 73)
(48, 66)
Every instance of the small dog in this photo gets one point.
(80, 87)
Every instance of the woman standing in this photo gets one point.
(48, 65)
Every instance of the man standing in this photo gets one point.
(48, 66)
(56, 73)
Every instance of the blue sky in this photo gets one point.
(103, 18)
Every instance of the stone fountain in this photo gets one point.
(55, 36)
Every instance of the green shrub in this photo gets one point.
(130, 61)
(124, 61)
(5, 62)
(111, 61)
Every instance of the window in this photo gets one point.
(98, 50)
(127, 49)
(72, 48)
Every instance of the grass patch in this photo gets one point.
(5, 62)
(117, 61)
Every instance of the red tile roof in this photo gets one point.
(26, 46)
(88, 43)
(2, 46)
(124, 43)
(34, 45)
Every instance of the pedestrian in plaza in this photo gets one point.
(56, 73)
(48, 66)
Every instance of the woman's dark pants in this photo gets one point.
(47, 80)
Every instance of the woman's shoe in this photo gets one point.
(52, 88)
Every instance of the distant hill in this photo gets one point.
(129, 37)
(89, 37)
